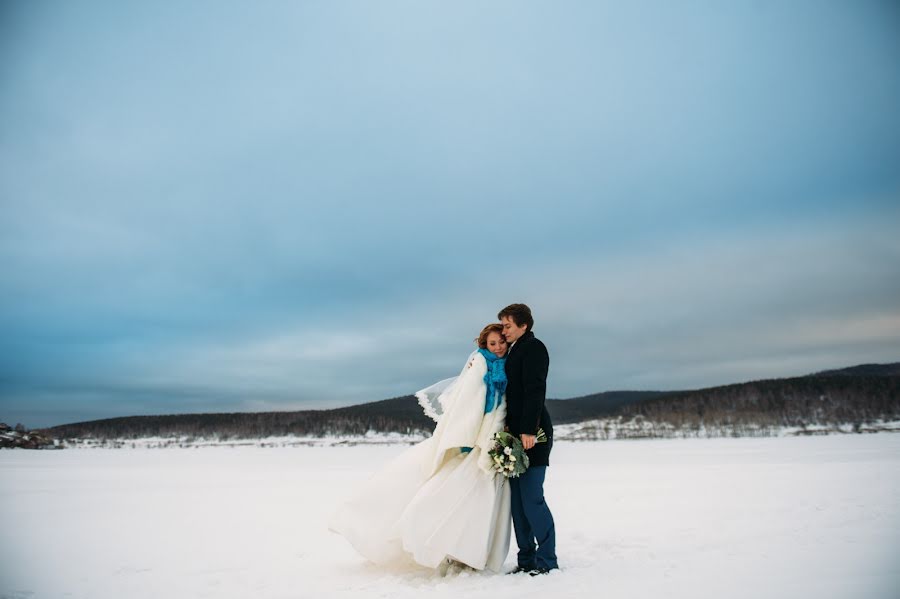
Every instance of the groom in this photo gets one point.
(527, 362)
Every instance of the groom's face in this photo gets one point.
(512, 331)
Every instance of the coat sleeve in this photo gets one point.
(459, 425)
(535, 364)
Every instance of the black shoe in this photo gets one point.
(540, 571)
(520, 569)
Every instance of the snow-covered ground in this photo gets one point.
(604, 429)
(761, 518)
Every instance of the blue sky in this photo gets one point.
(210, 206)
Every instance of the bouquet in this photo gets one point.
(509, 456)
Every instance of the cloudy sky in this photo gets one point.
(210, 206)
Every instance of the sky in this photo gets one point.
(228, 207)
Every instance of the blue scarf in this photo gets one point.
(494, 379)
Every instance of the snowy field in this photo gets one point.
(759, 518)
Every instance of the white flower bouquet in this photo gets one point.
(509, 456)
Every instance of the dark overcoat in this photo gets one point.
(527, 364)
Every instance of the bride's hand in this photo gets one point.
(528, 441)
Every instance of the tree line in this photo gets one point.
(827, 399)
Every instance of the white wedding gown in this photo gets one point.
(433, 502)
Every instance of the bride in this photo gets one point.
(441, 501)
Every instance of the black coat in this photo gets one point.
(527, 364)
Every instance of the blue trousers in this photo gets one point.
(532, 520)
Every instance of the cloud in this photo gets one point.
(294, 221)
(677, 313)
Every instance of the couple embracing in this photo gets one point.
(446, 503)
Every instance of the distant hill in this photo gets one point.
(399, 414)
(597, 405)
(854, 395)
(767, 405)
(864, 370)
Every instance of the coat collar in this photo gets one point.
(527, 336)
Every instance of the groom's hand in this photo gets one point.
(528, 441)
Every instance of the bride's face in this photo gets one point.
(496, 344)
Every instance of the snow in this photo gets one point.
(180, 442)
(588, 430)
(617, 428)
(812, 516)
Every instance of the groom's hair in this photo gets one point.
(519, 313)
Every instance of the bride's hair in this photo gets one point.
(494, 327)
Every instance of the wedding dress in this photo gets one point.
(435, 502)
